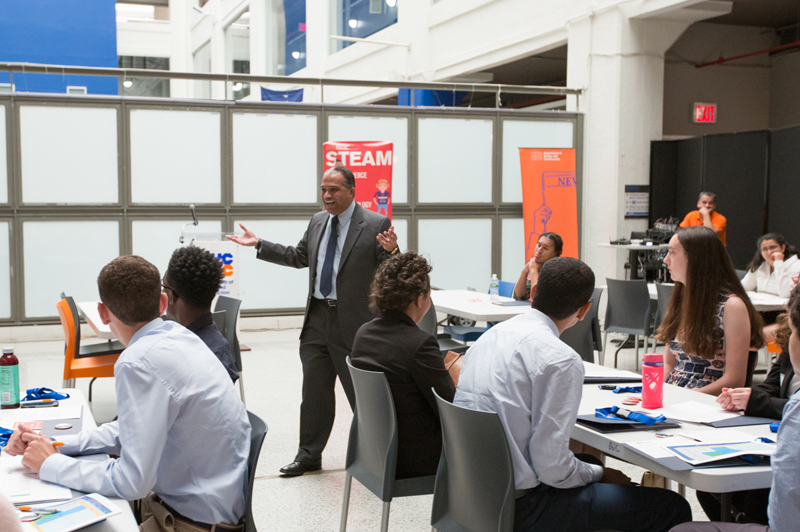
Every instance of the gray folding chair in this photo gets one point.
(664, 292)
(475, 482)
(257, 435)
(231, 307)
(446, 343)
(372, 447)
(582, 337)
(630, 311)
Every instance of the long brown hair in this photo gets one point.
(693, 306)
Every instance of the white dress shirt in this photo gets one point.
(344, 224)
(778, 282)
(182, 431)
(521, 370)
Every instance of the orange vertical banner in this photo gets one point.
(549, 197)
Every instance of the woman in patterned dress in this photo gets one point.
(710, 325)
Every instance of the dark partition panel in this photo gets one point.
(784, 184)
(689, 175)
(735, 168)
(663, 164)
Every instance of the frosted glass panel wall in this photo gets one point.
(156, 240)
(274, 158)
(513, 249)
(266, 285)
(3, 157)
(175, 156)
(69, 154)
(5, 271)
(378, 128)
(528, 134)
(70, 262)
(455, 160)
(401, 228)
(460, 252)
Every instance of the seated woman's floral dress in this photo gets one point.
(693, 371)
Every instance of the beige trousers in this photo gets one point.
(157, 518)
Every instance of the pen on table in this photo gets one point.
(688, 437)
(60, 443)
(40, 509)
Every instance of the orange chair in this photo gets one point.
(76, 366)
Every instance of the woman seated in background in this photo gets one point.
(549, 246)
(771, 271)
(773, 266)
(710, 325)
(409, 357)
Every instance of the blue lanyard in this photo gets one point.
(37, 394)
(628, 389)
(616, 412)
(5, 434)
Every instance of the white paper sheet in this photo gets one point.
(657, 448)
(9, 417)
(695, 412)
(593, 370)
(21, 485)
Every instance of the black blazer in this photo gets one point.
(361, 256)
(768, 398)
(411, 360)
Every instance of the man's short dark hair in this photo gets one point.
(131, 289)
(195, 274)
(349, 178)
(565, 285)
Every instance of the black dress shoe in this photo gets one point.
(295, 469)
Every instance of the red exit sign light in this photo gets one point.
(704, 113)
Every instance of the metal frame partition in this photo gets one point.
(226, 211)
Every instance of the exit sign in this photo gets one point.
(704, 113)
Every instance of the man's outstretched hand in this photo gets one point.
(387, 239)
(249, 238)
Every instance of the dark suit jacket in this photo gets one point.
(768, 398)
(361, 255)
(411, 360)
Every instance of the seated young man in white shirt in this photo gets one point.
(521, 370)
(182, 432)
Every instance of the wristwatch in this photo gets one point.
(395, 251)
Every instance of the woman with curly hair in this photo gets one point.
(710, 325)
(409, 357)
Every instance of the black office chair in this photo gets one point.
(231, 307)
(584, 336)
(372, 446)
(664, 292)
(257, 435)
(630, 311)
(741, 274)
(475, 483)
(752, 362)
(446, 343)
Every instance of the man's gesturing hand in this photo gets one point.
(249, 238)
(388, 239)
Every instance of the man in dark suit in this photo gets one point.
(341, 268)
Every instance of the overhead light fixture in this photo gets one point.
(353, 23)
(296, 54)
(391, 3)
(237, 86)
(127, 84)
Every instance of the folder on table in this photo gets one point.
(741, 421)
(607, 426)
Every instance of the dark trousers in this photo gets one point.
(720, 527)
(323, 353)
(751, 504)
(600, 507)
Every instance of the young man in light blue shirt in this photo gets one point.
(521, 370)
(182, 431)
(784, 497)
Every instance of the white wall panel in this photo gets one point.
(455, 160)
(3, 157)
(266, 285)
(65, 257)
(69, 154)
(156, 240)
(513, 248)
(175, 156)
(274, 158)
(528, 134)
(459, 250)
(5, 271)
(378, 128)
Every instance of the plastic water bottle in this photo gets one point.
(494, 288)
(653, 381)
(9, 379)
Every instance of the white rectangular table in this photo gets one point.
(123, 522)
(715, 480)
(88, 309)
(474, 305)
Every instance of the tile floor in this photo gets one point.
(272, 385)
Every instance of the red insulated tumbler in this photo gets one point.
(653, 381)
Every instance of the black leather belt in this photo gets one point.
(326, 302)
(204, 526)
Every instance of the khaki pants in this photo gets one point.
(155, 517)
